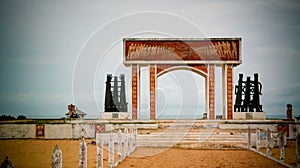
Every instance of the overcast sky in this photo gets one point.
(54, 53)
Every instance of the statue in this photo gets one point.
(115, 98)
(248, 95)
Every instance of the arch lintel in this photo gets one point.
(198, 69)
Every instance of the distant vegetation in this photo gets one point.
(9, 117)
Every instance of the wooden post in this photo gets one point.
(126, 142)
(258, 139)
(269, 151)
(57, 157)
(119, 145)
(111, 150)
(281, 146)
(249, 137)
(99, 142)
(82, 154)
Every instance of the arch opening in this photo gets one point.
(180, 93)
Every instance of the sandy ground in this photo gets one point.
(37, 153)
(189, 158)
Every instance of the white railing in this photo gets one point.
(124, 143)
(268, 139)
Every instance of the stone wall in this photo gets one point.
(50, 131)
(17, 131)
(62, 131)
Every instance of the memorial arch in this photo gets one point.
(190, 87)
(202, 56)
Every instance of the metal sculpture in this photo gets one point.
(248, 95)
(115, 98)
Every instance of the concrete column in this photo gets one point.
(224, 91)
(229, 92)
(152, 70)
(135, 91)
(211, 91)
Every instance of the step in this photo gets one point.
(192, 140)
(191, 137)
(196, 145)
(206, 140)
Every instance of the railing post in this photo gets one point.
(99, 142)
(135, 138)
(131, 140)
(269, 151)
(111, 150)
(281, 145)
(119, 145)
(249, 137)
(125, 142)
(83, 154)
(57, 157)
(258, 139)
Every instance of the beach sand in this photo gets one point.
(37, 154)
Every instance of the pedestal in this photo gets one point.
(249, 115)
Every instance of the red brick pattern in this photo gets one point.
(211, 91)
(200, 67)
(163, 67)
(152, 92)
(229, 92)
(135, 78)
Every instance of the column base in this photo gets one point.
(249, 115)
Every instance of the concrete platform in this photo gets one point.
(249, 115)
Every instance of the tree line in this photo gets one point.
(9, 117)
